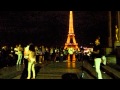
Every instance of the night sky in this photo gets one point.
(50, 28)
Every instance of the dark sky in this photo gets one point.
(51, 27)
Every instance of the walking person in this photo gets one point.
(20, 57)
(103, 58)
(97, 58)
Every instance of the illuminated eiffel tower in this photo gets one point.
(71, 41)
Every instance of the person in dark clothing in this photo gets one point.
(4, 56)
(82, 54)
(97, 57)
(11, 56)
(46, 55)
(25, 71)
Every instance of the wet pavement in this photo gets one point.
(60, 70)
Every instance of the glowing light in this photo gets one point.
(73, 64)
(68, 65)
(71, 37)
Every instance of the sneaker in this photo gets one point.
(27, 78)
(32, 78)
(104, 64)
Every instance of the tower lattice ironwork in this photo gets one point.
(71, 41)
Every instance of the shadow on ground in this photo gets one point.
(69, 76)
(37, 69)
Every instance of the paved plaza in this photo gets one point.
(61, 70)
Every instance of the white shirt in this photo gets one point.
(70, 50)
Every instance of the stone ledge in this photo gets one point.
(112, 72)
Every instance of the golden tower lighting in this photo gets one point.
(71, 41)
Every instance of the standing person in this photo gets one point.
(37, 54)
(4, 56)
(81, 54)
(97, 57)
(20, 49)
(61, 55)
(31, 61)
(70, 53)
(25, 71)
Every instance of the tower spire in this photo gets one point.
(71, 23)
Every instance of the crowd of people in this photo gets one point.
(31, 54)
(18, 55)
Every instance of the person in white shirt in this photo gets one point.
(20, 49)
(70, 52)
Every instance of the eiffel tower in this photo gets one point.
(71, 41)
